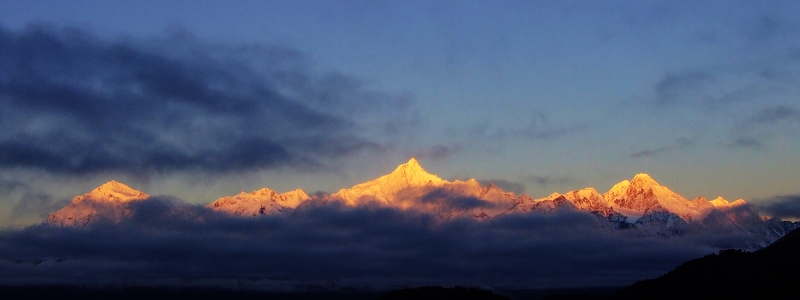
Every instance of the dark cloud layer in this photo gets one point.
(786, 206)
(73, 103)
(169, 242)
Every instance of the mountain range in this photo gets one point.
(639, 205)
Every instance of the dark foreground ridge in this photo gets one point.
(166, 293)
(769, 273)
(437, 292)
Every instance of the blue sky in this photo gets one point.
(544, 96)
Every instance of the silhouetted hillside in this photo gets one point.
(772, 272)
(437, 292)
(769, 273)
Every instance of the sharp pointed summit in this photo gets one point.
(412, 162)
(116, 191)
(411, 169)
(384, 189)
(643, 179)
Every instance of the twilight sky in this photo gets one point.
(204, 99)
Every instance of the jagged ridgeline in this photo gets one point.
(640, 205)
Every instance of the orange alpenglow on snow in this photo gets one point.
(106, 201)
(409, 186)
(261, 202)
(386, 188)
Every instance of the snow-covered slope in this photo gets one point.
(408, 180)
(643, 194)
(106, 201)
(261, 202)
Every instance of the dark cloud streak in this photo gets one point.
(754, 131)
(679, 144)
(775, 114)
(539, 128)
(674, 87)
(437, 151)
(549, 180)
(508, 186)
(72, 103)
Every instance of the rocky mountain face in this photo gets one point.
(641, 204)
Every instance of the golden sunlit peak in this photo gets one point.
(117, 190)
(113, 185)
(412, 165)
(643, 177)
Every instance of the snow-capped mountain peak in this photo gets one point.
(617, 191)
(721, 203)
(113, 191)
(643, 181)
(643, 193)
(640, 201)
(293, 198)
(260, 202)
(384, 189)
(106, 201)
(412, 174)
(644, 178)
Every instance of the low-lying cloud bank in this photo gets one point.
(326, 244)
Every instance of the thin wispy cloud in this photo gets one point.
(680, 143)
(437, 151)
(32, 203)
(544, 181)
(775, 114)
(507, 185)
(753, 132)
(539, 128)
(674, 88)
